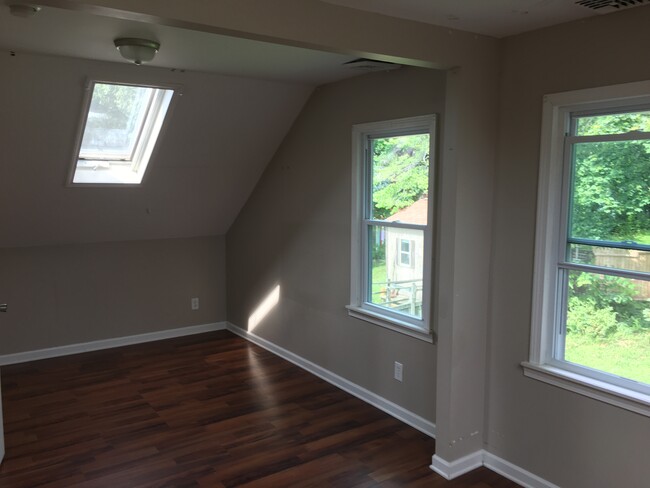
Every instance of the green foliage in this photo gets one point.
(114, 105)
(601, 305)
(610, 201)
(613, 124)
(612, 192)
(585, 318)
(115, 112)
(602, 290)
(611, 195)
(400, 173)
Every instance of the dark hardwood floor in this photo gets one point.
(202, 411)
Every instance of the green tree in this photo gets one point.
(400, 172)
(610, 201)
(611, 195)
(114, 112)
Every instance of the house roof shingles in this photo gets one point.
(413, 214)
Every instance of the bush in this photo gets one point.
(585, 318)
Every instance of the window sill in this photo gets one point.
(592, 388)
(389, 323)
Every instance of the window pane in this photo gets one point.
(392, 285)
(608, 324)
(611, 191)
(613, 124)
(400, 178)
(115, 121)
(628, 259)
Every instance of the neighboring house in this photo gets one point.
(404, 258)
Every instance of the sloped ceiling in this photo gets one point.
(239, 100)
(221, 134)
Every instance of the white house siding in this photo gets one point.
(397, 273)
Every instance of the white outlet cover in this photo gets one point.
(195, 303)
(399, 369)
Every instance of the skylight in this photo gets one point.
(121, 126)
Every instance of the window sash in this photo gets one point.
(143, 132)
(611, 244)
(563, 265)
(369, 221)
(557, 359)
(366, 285)
(120, 171)
(626, 136)
(359, 307)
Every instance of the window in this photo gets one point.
(121, 125)
(405, 253)
(392, 213)
(591, 303)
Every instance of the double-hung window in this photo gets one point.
(591, 304)
(392, 221)
(120, 127)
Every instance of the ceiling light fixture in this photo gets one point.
(137, 50)
(22, 10)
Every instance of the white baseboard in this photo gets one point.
(23, 357)
(400, 413)
(514, 473)
(453, 469)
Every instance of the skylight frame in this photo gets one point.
(143, 145)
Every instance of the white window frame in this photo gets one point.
(152, 131)
(549, 300)
(359, 307)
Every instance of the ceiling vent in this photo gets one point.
(606, 6)
(370, 65)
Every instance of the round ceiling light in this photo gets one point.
(22, 10)
(137, 50)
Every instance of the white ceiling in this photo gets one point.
(497, 18)
(83, 35)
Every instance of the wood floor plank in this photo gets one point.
(211, 410)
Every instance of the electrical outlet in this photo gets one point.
(195, 303)
(399, 370)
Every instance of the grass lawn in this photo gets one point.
(642, 238)
(625, 355)
(378, 276)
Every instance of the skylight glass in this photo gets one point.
(121, 127)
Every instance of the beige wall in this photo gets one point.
(566, 438)
(61, 295)
(295, 232)
(467, 145)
